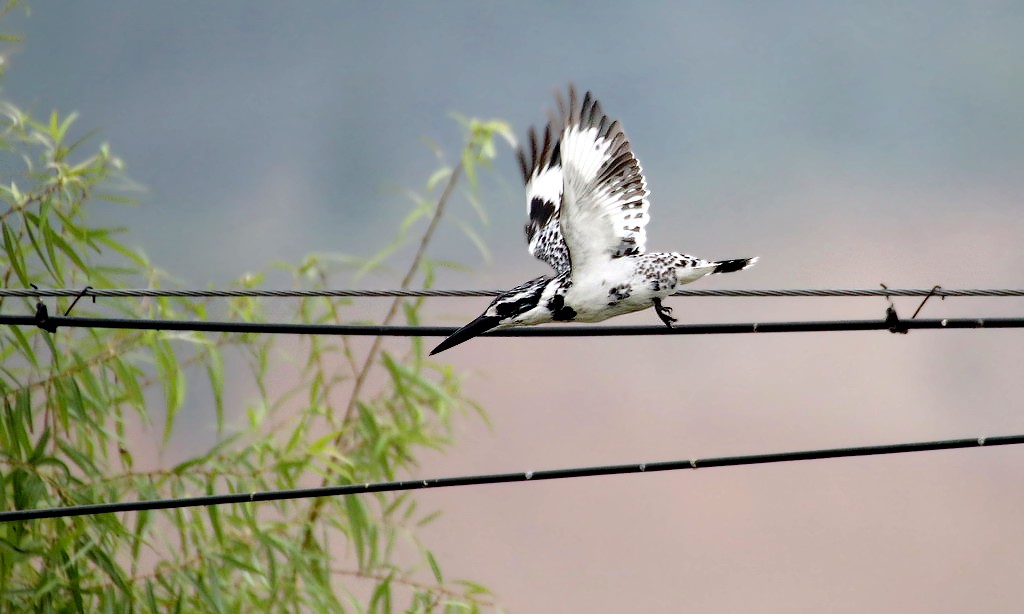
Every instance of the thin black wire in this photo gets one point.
(147, 292)
(501, 478)
(51, 323)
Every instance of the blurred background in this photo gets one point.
(847, 144)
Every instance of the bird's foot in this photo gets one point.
(665, 313)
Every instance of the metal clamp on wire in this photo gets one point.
(43, 316)
(43, 320)
(891, 318)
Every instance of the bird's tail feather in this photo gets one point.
(731, 266)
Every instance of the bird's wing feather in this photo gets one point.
(604, 195)
(542, 172)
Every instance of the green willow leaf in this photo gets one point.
(434, 568)
(14, 256)
(78, 417)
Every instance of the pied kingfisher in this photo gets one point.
(587, 200)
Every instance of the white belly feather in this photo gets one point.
(629, 284)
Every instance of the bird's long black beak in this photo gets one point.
(478, 326)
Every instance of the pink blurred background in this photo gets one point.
(846, 144)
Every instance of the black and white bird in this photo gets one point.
(587, 200)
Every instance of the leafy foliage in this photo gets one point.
(89, 415)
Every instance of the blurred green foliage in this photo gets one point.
(89, 415)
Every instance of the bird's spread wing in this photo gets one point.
(585, 192)
(542, 172)
(604, 196)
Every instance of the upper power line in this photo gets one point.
(429, 293)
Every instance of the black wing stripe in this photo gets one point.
(616, 186)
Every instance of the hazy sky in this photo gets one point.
(847, 144)
(289, 128)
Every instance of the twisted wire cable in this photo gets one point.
(435, 293)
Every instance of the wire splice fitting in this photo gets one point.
(892, 319)
(42, 315)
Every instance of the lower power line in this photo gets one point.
(501, 478)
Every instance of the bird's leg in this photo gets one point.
(665, 313)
